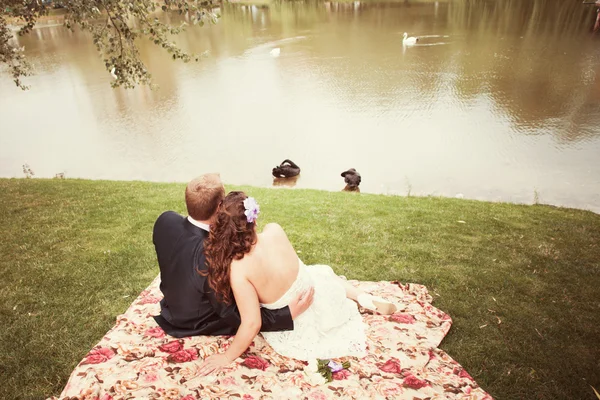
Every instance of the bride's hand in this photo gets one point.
(213, 364)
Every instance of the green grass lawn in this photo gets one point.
(521, 283)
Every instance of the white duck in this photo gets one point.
(275, 52)
(409, 41)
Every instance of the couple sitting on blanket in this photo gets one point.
(219, 276)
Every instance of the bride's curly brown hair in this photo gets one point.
(230, 238)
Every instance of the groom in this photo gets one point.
(189, 306)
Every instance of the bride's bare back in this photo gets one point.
(271, 266)
(266, 273)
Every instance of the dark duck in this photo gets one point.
(286, 169)
(352, 179)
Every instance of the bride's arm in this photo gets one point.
(246, 299)
(249, 309)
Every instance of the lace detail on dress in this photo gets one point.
(332, 327)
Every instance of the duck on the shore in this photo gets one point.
(286, 169)
(352, 179)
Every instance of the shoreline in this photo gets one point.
(286, 187)
(56, 15)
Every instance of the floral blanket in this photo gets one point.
(136, 359)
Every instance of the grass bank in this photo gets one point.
(522, 283)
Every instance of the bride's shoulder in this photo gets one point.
(272, 227)
(242, 266)
(274, 231)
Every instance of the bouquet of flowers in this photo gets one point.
(319, 372)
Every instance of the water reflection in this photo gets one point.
(499, 100)
(288, 182)
(349, 188)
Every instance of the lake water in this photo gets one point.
(499, 101)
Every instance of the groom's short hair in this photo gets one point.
(203, 195)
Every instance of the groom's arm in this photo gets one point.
(276, 320)
(272, 320)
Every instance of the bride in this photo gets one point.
(263, 270)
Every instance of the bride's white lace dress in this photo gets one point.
(332, 326)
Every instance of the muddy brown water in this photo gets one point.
(497, 101)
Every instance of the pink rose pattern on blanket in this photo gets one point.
(136, 359)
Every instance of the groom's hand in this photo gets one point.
(301, 303)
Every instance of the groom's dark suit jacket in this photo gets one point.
(189, 306)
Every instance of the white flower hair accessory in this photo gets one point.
(252, 209)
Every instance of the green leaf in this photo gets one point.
(328, 375)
